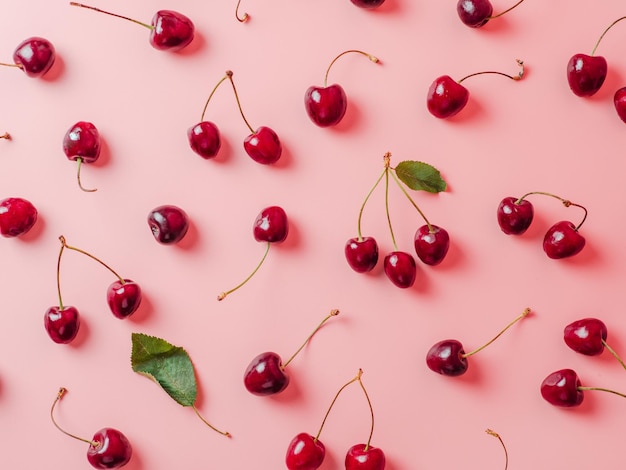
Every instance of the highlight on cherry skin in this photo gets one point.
(563, 388)
(168, 223)
(82, 144)
(17, 216)
(169, 30)
(449, 358)
(446, 97)
(34, 56)
(477, 13)
(266, 374)
(588, 336)
(326, 105)
(108, 448)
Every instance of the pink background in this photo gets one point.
(513, 137)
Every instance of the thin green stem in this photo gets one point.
(505, 11)
(223, 295)
(401, 186)
(243, 18)
(615, 355)
(393, 238)
(506, 454)
(230, 77)
(369, 56)
(19, 66)
(512, 77)
(358, 376)
(63, 241)
(524, 314)
(369, 403)
(604, 33)
(80, 185)
(365, 202)
(75, 4)
(223, 433)
(62, 392)
(333, 313)
(603, 390)
(228, 73)
(566, 203)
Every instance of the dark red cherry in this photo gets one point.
(171, 30)
(431, 244)
(204, 139)
(619, 100)
(326, 106)
(563, 240)
(265, 375)
(263, 146)
(35, 56)
(362, 255)
(586, 74)
(363, 457)
(271, 225)
(446, 97)
(305, 453)
(17, 216)
(368, 4)
(82, 140)
(474, 13)
(400, 268)
(169, 224)
(62, 323)
(515, 216)
(123, 298)
(561, 388)
(586, 336)
(112, 449)
(447, 357)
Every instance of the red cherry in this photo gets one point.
(263, 146)
(326, 106)
(362, 255)
(586, 336)
(17, 216)
(562, 388)
(447, 358)
(563, 240)
(431, 244)
(619, 100)
(265, 375)
(586, 74)
(446, 97)
(171, 30)
(305, 453)
(363, 457)
(62, 323)
(515, 215)
(168, 223)
(474, 13)
(271, 225)
(124, 298)
(400, 269)
(109, 448)
(82, 140)
(204, 139)
(368, 4)
(35, 56)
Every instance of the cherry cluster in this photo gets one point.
(431, 242)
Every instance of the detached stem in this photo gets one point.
(223, 295)
(243, 18)
(430, 227)
(80, 185)
(524, 314)
(228, 73)
(369, 56)
(512, 77)
(63, 241)
(223, 433)
(603, 390)
(333, 313)
(566, 203)
(62, 392)
(230, 77)
(497, 436)
(615, 355)
(604, 33)
(505, 11)
(75, 4)
(358, 377)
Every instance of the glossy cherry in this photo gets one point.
(33, 56)
(447, 97)
(266, 374)
(619, 101)
(124, 297)
(368, 4)
(476, 13)
(563, 388)
(326, 105)
(448, 357)
(82, 143)
(270, 226)
(169, 30)
(361, 254)
(108, 448)
(62, 323)
(563, 240)
(204, 139)
(400, 269)
(17, 216)
(431, 244)
(168, 223)
(586, 336)
(515, 215)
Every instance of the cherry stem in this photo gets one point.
(59, 272)
(430, 227)
(602, 390)
(365, 202)
(615, 355)
(6, 136)
(62, 392)
(228, 72)
(19, 66)
(243, 18)
(75, 4)
(604, 33)
(80, 185)
(512, 77)
(505, 11)
(369, 56)
(566, 203)
(358, 377)
(369, 403)
(387, 159)
(524, 314)
(223, 295)
(333, 313)
(223, 433)
(64, 243)
(230, 77)
(497, 436)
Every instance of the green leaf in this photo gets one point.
(168, 365)
(420, 176)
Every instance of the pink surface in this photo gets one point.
(513, 137)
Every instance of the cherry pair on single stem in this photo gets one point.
(169, 30)
(271, 226)
(446, 97)
(586, 336)
(306, 452)
(431, 242)
(262, 145)
(17, 216)
(562, 240)
(266, 374)
(62, 322)
(477, 13)
(586, 74)
(108, 448)
(326, 105)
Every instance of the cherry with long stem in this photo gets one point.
(244, 17)
(506, 453)
(89, 7)
(62, 391)
(563, 388)
(522, 315)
